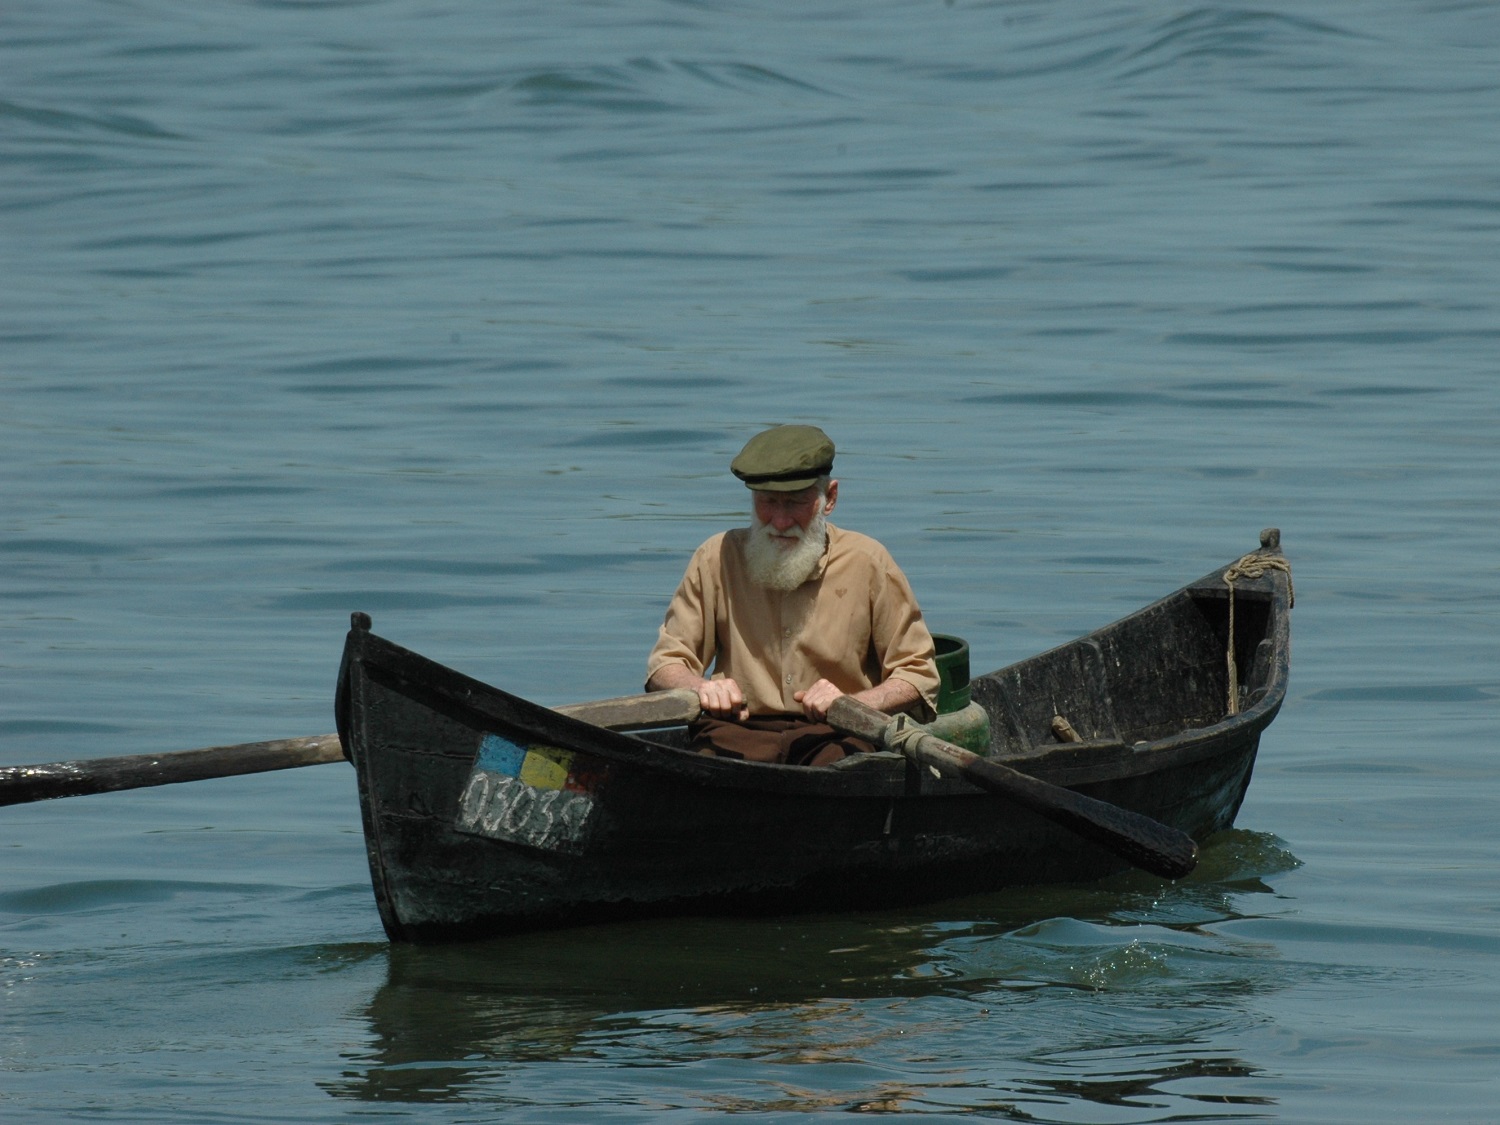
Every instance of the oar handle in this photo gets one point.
(637, 712)
(1142, 841)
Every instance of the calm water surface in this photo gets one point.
(455, 314)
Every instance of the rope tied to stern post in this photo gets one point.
(1253, 565)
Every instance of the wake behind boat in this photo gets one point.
(485, 813)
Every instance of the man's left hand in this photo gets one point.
(891, 696)
(817, 699)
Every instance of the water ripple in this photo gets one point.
(312, 307)
(94, 894)
(1247, 36)
(57, 121)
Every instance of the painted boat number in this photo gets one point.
(536, 795)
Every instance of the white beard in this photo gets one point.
(779, 567)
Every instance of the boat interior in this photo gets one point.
(1159, 672)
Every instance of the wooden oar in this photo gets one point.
(637, 712)
(20, 784)
(1145, 843)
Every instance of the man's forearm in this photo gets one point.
(670, 676)
(891, 696)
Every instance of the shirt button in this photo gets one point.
(788, 677)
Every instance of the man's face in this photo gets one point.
(789, 536)
(786, 515)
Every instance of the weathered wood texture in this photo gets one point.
(20, 784)
(637, 712)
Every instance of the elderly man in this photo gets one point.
(792, 613)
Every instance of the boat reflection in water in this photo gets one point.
(465, 1022)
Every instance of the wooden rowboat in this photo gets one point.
(485, 813)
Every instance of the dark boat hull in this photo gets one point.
(485, 813)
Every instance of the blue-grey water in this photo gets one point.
(455, 313)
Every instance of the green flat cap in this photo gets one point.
(784, 459)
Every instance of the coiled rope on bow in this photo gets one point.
(1253, 565)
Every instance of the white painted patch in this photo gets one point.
(506, 808)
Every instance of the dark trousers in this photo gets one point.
(774, 738)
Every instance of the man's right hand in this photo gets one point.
(722, 699)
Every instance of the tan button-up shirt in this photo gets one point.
(854, 622)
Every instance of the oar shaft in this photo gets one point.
(637, 712)
(20, 784)
(1145, 843)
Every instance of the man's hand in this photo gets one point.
(817, 699)
(722, 698)
(891, 696)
